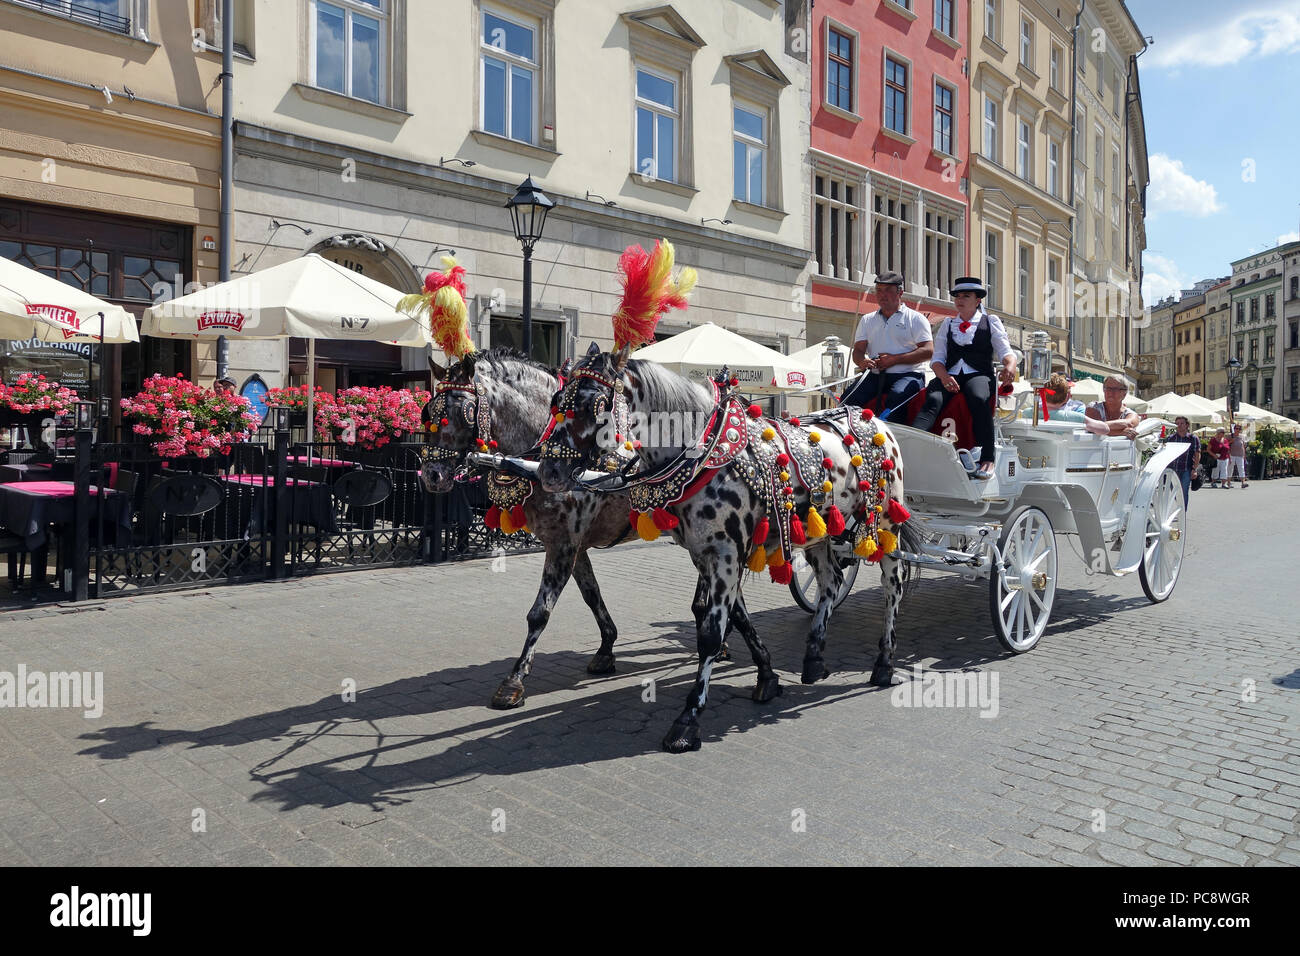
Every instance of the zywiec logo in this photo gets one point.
(795, 378)
(222, 320)
(103, 909)
(68, 320)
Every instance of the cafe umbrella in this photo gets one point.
(309, 297)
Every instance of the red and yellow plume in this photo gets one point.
(443, 300)
(649, 290)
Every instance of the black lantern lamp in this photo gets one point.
(528, 208)
(85, 415)
(281, 417)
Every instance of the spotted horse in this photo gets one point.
(746, 493)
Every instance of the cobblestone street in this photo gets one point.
(1133, 734)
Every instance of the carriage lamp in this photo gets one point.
(85, 415)
(105, 406)
(832, 360)
(281, 417)
(528, 208)
(1040, 358)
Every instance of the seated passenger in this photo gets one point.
(1056, 399)
(965, 348)
(1111, 411)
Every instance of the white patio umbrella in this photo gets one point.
(1135, 403)
(1245, 412)
(1170, 405)
(812, 355)
(701, 352)
(309, 297)
(1087, 390)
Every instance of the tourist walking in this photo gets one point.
(1237, 456)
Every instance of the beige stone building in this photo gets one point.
(109, 166)
(1019, 166)
(384, 133)
(1189, 345)
(1154, 361)
(1218, 338)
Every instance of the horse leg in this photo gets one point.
(829, 580)
(602, 662)
(555, 575)
(715, 595)
(768, 685)
(891, 579)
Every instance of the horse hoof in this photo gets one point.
(509, 695)
(724, 653)
(814, 670)
(882, 676)
(601, 664)
(682, 738)
(765, 690)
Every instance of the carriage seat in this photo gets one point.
(956, 410)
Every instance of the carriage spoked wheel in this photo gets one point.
(1023, 587)
(803, 584)
(1162, 549)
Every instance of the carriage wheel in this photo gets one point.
(1023, 587)
(803, 585)
(1162, 549)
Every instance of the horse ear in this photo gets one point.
(620, 359)
(467, 364)
(439, 373)
(593, 349)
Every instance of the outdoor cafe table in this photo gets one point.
(36, 471)
(29, 508)
(310, 502)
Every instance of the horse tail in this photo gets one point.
(909, 540)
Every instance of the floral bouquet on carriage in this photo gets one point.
(370, 418)
(178, 418)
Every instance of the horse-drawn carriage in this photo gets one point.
(1052, 479)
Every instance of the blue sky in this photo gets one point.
(1221, 99)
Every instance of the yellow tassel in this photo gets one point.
(888, 540)
(769, 434)
(628, 446)
(814, 437)
(827, 486)
(865, 548)
(645, 527)
(880, 509)
(815, 527)
(785, 476)
(559, 418)
(507, 526)
(856, 461)
(884, 483)
(878, 438)
(789, 506)
(758, 560)
(775, 559)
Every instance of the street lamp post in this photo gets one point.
(1234, 376)
(528, 208)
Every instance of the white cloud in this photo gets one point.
(1286, 237)
(1174, 190)
(1161, 277)
(1256, 33)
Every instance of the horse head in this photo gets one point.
(584, 432)
(451, 414)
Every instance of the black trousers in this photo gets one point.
(978, 389)
(897, 387)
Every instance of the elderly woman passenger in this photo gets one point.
(1111, 411)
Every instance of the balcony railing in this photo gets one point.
(81, 13)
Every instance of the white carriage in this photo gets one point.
(1052, 479)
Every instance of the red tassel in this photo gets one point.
(794, 421)
(663, 520)
(782, 460)
(781, 575)
(876, 556)
(754, 411)
(761, 531)
(828, 463)
(797, 533)
(631, 518)
(887, 464)
(517, 517)
(834, 521)
(898, 513)
(868, 414)
(493, 518)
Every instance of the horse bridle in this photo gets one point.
(565, 405)
(478, 416)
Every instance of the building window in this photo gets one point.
(1241, 346)
(1268, 348)
(1254, 348)
(1241, 313)
(835, 227)
(1080, 155)
(1293, 387)
(891, 234)
(943, 17)
(1027, 43)
(1268, 390)
(1115, 231)
(993, 20)
(1251, 396)
(992, 111)
(944, 111)
(1295, 287)
(1099, 150)
(749, 153)
(1198, 333)
(1054, 168)
(941, 231)
(1254, 310)
(1295, 336)
(896, 95)
(1114, 170)
(1198, 362)
(349, 48)
(656, 125)
(112, 15)
(1023, 285)
(839, 70)
(1054, 67)
(1024, 160)
(991, 278)
(1114, 92)
(1055, 294)
(1101, 74)
(1098, 246)
(1269, 308)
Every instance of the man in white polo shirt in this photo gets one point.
(892, 346)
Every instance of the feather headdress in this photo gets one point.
(649, 290)
(443, 301)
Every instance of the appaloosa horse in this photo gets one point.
(739, 491)
(499, 401)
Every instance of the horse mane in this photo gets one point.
(667, 391)
(498, 357)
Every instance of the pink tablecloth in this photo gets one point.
(323, 462)
(262, 480)
(54, 489)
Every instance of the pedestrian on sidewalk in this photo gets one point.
(1219, 450)
(1185, 465)
(1237, 456)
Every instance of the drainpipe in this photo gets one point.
(227, 160)
(1074, 159)
(1129, 95)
